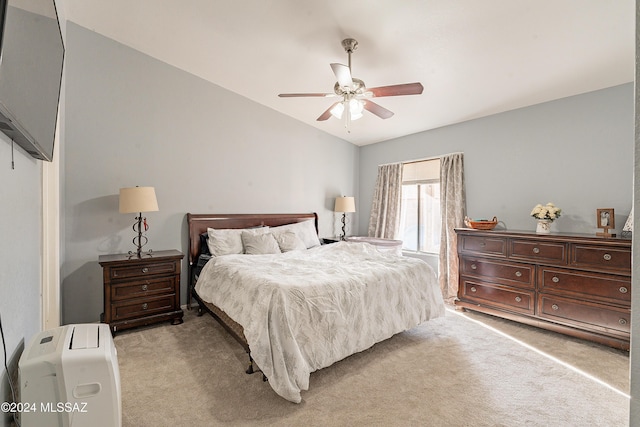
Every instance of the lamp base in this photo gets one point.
(140, 240)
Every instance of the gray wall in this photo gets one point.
(20, 228)
(132, 120)
(576, 152)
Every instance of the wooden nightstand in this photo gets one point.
(141, 291)
(328, 240)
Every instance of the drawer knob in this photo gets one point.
(144, 306)
(622, 321)
(555, 307)
(536, 250)
(473, 289)
(555, 279)
(623, 289)
(518, 299)
(145, 287)
(607, 257)
(518, 274)
(474, 267)
(145, 270)
(483, 244)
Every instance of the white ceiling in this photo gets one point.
(474, 58)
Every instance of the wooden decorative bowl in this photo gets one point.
(481, 224)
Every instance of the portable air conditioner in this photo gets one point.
(69, 377)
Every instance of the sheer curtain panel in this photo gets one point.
(452, 208)
(385, 210)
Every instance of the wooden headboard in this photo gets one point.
(198, 224)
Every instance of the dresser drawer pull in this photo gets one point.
(473, 289)
(622, 321)
(518, 299)
(555, 307)
(623, 289)
(518, 274)
(607, 257)
(536, 250)
(144, 306)
(483, 244)
(145, 270)
(145, 287)
(474, 267)
(555, 279)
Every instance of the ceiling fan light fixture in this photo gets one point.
(356, 107)
(338, 110)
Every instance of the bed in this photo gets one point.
(307, 305)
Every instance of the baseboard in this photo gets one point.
(5, 390)
(187, 307)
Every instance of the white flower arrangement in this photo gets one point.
(548, 211)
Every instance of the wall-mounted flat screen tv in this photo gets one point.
(31, 60)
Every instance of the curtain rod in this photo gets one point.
(422, 159)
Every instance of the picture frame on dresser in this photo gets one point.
(606, 220)
(627, 230)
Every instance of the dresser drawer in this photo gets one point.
(484, 245)
(501, 272)
(602, 258)
(584, 314)
(505, 297)
(142, 307)
(142, 288)
(537, 251)
(586, 285)
(142, 270)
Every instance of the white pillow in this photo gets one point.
(305, 230)
(258, 244)
(289, 241)
(229, 241)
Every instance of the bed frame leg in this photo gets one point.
(250, 369)
(200, 311)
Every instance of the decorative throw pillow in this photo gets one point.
(229, 241)
(259, 244)
(289, 241)
(305, 230)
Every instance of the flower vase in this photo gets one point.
(544, 226)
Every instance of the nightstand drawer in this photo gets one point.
(143, 288)
(586, 285)
(602, 258)
(142, 270)
(539, 251)
(142, 307)
(584, 314)
(507, 273)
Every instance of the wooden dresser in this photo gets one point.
(575, 284)
(141, 291)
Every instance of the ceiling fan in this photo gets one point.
(355, 95)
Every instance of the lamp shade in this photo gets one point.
(138, 199)
(345, 204)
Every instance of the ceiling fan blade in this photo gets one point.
(397, 90)
(343, 74)
(376, 109)
(324, 116)
(297, 95)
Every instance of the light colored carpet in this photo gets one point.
(449, 371)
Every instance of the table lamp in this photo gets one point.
(138, 200)
(344, 204)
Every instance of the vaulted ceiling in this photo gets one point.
(474, 58)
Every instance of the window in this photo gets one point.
(420, 222)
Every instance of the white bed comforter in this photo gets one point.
(302, 311)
